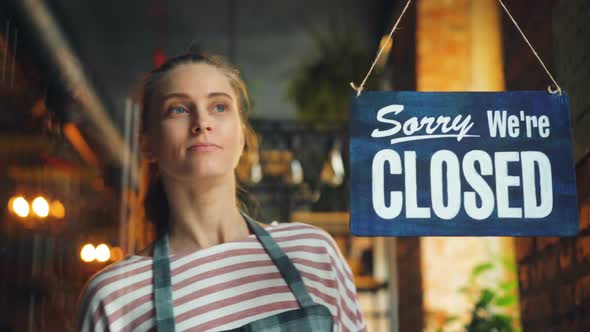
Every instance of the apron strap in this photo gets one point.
(163, 304)
(283, 263)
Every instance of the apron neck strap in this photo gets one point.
(163, 304)
(282, 262)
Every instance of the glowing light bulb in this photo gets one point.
(57, 209)
(103, 253)
(20, 206)
(116, 254)
(88, 253)
(41, 207)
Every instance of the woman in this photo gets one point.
(212, 267)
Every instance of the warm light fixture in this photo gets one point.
(116, 254)
(337, 165)
(88, 253)
(102, 253)
(332, 173)
(296, 175)
(384, 44)
(57, 209)
(40, 207)
(256, 173)
(19, 206)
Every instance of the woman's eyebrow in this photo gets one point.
(186, 96)
(179, 95)
(219, 94)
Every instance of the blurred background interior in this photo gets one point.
(69, 78)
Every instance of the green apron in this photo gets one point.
(310, 316)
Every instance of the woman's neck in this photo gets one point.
(203, 214)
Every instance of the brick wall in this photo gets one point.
(554, 273)
(443, 45)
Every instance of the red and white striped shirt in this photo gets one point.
(225, 286)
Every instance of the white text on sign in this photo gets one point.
(478, 199)
(500, 124)
(498, 168)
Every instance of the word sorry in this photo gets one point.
(430, 125)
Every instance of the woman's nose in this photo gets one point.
(198, 128)
(201, 123)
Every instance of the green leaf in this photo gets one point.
(502, 323)
(481, 268)
(505, 318)
(505, 301)
(485, 298)
(508, 286)
(510, 265)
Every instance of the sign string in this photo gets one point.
(360, 88)
(558, 90)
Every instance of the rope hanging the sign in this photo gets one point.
(360, 88)
(534, 52)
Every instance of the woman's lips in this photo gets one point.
(203, 147)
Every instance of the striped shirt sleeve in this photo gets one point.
(89, 320)
(92, 312)
(92, 316)
(349, 316)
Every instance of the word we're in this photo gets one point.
(500, 124)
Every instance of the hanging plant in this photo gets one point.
(319, 88)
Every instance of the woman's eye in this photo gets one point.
(220, 108)
(177, 110)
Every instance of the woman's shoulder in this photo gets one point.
(107, 284)
(111, 277)
(303, 233)
(298, 228)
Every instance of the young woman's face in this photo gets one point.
(195, 127)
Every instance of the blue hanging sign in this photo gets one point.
(462, 163)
